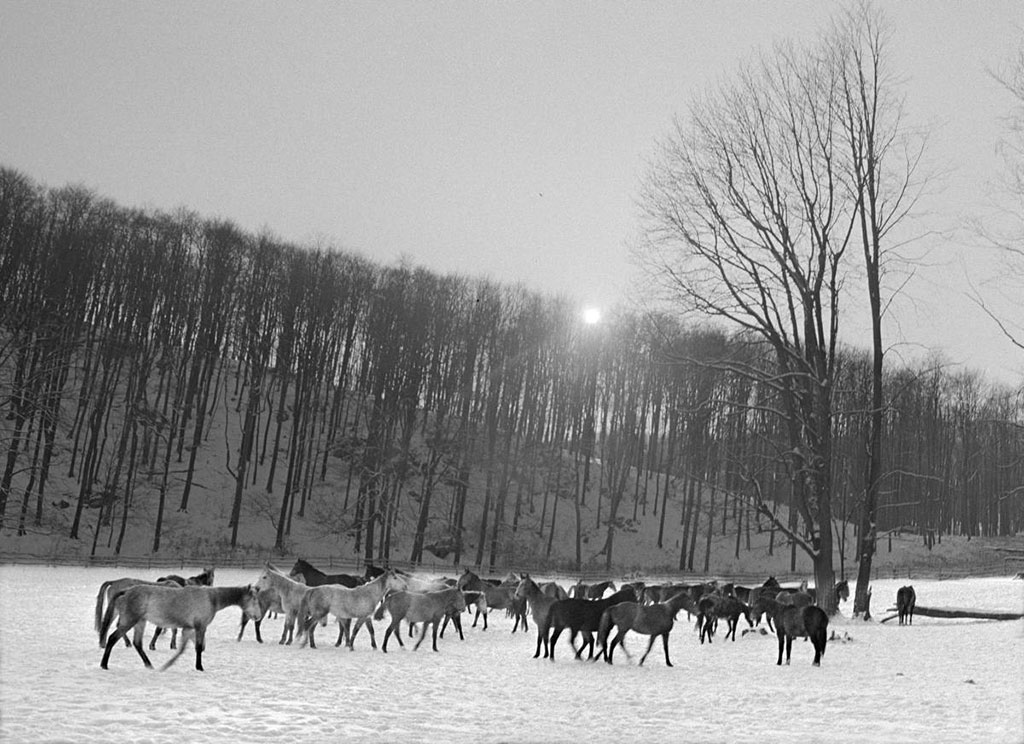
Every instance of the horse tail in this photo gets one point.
(302, 616)
(108, 617)
(603, 629)
(379, 614)
(99, 606)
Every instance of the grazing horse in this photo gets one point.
(797, 622)
(500, 597)
(906, 598)
(653, 619)
(315, 577)
(190, 608)
(540, 606)
(291, 594)
(580, 616)
(345, 603)
(110, 589)
(428, 609)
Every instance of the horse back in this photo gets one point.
(167, 606)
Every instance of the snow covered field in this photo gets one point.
(938, 681)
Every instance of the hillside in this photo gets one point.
(201, 535)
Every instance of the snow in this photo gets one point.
(937, 681)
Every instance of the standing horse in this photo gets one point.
(500, 597)
(713, 608)
(270, 601)
(797, 622)
(426, 608)
(345, 603)
(906, 599)
(540, 606)
(654, 620)
(580, 616)
(291, 594)
(190, 608)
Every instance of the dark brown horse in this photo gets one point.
(906, 599)
(796, 622)
(580, 616)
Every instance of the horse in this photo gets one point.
(427, 609)
(590, 591)
(712, 607)
(540, 606)
(500, 597)
(906, 598)
(203, 579)
(796, 599)
(190, 608)
(315, 577)
(270, 601)
(797, 622)
(554, 589)
(769, 589)
(842, 591)
(110, 589)
(291, 594)
(343, 602)
(653, 619)
(580, 616)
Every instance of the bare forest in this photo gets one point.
(407, 416)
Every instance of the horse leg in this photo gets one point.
(156, 634)
(174, 638)
(782, 645)
(789, 647)
(286, 631)
(423, 634)
(184, 645)
(650, 645)
(344, 632)
(457, 622)
(241, 628)
(140, 630)
(551, 643)
(110, 644)
(664, 642)
(256, 626)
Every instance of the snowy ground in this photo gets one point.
(938, 681)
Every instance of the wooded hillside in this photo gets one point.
(172, 382)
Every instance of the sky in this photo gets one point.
(501, 140)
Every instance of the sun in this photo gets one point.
(592, 315)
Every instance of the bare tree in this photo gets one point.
(882, 162)
(745, 222)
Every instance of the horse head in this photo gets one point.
(526, 586)
(393, 581)
(468, 580)
(843, 590)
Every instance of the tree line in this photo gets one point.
(471, 419)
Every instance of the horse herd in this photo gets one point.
(308, 597)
